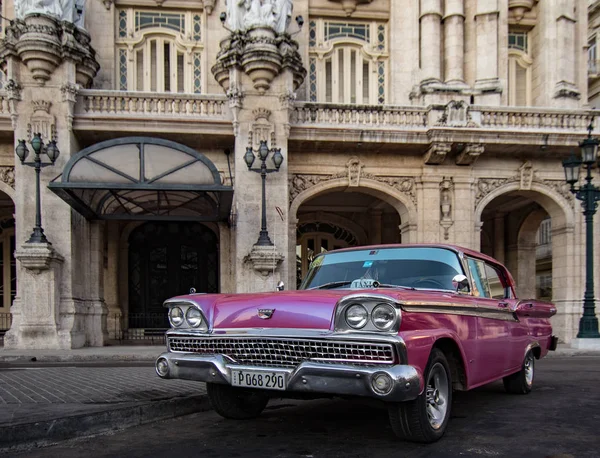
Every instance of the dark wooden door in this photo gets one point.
(166, 260)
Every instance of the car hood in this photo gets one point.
(311, 309)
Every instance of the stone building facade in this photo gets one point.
(399, 121)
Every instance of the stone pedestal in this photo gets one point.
(36, 310)
(265, 259)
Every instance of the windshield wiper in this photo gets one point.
(333, 284)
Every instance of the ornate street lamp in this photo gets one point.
(50, 150)
(589, 195)
(263, 154)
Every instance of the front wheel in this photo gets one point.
(236, 403)
(521, 382)
(425, 419)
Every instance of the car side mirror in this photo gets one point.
(460, 282)
(280, 286)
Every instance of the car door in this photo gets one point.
(493, 327)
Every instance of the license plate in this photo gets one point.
(259, 379)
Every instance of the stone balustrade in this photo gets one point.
(4, 104)
(101, 103)
(341, 115)
(514, 118)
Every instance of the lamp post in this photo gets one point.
(50, 150)
(589, 195)
(249, 157)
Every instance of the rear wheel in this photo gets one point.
(236, 403)
(521, 382)
(425, 419)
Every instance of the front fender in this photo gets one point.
(420, 343)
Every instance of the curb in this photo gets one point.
(41, 433)
(78, 358)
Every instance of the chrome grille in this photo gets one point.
(282, 352)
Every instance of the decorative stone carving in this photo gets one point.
(518, 8)
(565, 89)
(562, 188)
(456, 114)
(236, 103)
(209, 6)
(487, 185)
(301, 182)
(446, 191)
(13, 92)
(43, 41)
(262, 129)
(526, 175)
(42, 121)
(264, 259)
(349, 6)
(7, 175)
(262, 55)
(354, 168)
(69, 95)
(436, 153)
(469, 154)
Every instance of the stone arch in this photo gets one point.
(403, 204)
(557, 206)
(8, 190)
(564, 277)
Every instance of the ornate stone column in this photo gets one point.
(260, 68)
(454, 44)
(487, 83)
(59, 301)
(431, 41)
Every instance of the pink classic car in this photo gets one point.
(403, 324)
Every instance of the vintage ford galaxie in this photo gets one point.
(403, 324)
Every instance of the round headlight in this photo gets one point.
(176, 316)
(356, 316)
(193, 317)
(383, 317)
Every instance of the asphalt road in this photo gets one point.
(560, 418)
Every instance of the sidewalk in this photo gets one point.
(110, 388)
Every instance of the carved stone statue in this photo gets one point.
(66, 10)
(260, 14)
(283, 17)
(236, 11)
(49, 7)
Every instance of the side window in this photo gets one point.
(480, 284)
(497, 289)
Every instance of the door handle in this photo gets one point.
(503, 304)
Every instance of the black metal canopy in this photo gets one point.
(143, 178)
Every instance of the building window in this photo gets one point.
(592, 56)
(519, 69)
(347, 62)
(8, 268)
(160, 51)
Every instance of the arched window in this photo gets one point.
(519, 69)
(347, 62)
(160, 51)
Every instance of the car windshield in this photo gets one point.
(410, 267)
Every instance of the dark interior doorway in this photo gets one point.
(166, 259)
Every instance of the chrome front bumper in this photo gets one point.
(307, 377)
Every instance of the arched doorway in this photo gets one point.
(338, 219)
(166, 259)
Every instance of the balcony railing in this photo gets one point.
(532, 118)
(102, 103)
(364, 115)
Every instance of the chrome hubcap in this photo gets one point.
(528, 366)
(437, 396)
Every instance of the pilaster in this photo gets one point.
(488, 88)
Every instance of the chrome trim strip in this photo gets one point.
(379, 337)
(455, 308)
(308, 377)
